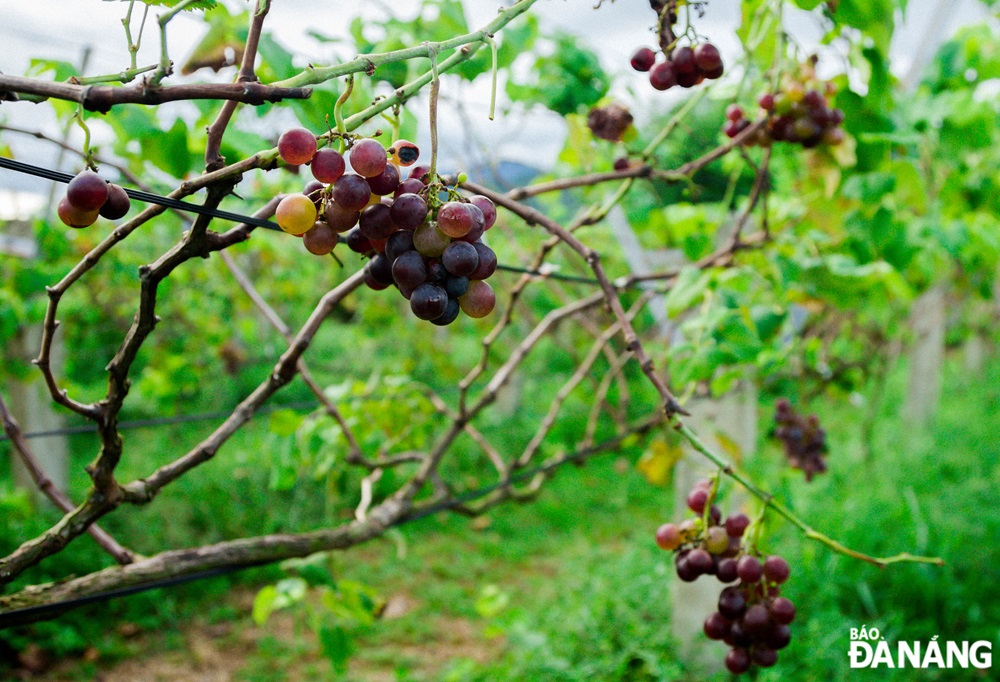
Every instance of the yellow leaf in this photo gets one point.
(658, 462)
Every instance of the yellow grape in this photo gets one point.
(296, 214)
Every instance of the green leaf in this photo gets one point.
(169, 151)
(689, 287)
(337, 645)
(284, 422)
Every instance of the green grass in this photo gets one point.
(585, 594)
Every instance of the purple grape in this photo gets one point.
(357, 242)
(489, 209)
(732, 603)
(460, 258)
(456, 286)
(663, 76)
(399, 242)
(409, 186)
(737, 524)
(738, 661)
(117, 204)
(727, 570)
(764, 656)
(381, 269)
(428, 301)
(683, 61)
(717, 626)
(700, 561)
(351, 192)
(782, 611)
(409, 270)
(776, 569)
(779, 637)
(749, 569)
(386, 182)
(707, 57)
(408, 211)
(757, 620)
(450, 313)
(339, 218)
(375, 223)
(87, 191)
(643, 59)
(487, 262)
(455, 219)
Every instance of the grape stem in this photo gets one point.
(166, 65)
(771, 503)
(432, 114)
(493, 83)
(338, 112)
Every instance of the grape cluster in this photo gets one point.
(430, 249)
(88, 196)
(799, 113)
(685, 66)
(803, 438)
(752, 616)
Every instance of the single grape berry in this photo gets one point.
(398, 243)
(381, 268)
(370, 281)
(87, 191)
(487, 262)
(386, 182)
(782, 610)
(408, 211)
(749, 569)
(734, 112)
(766, 101)
(764, 656)
(727, 570)
(429, 301)
(375, 223)
(479, 300)
(409, 270)
(450, 313)
(456, 286)
(328, 165)
(408, 186)
(643, 59)
(683, 60)
(357, 242)
(717, 626)
(737, 661)
(352, 192)
(430, 241)
(700, 561)
(320, 239)
(776, 569)
(757, 620)
(460, 258)
(117, 204)
(663, 76)
(732, 603)
(455, 219)
(668, 537)
(404, 153)
(737, 524)
(297, 146)
(368, 158)
(716, 540)
(489, 209)
(73, 216)
(339, 218)
(685, 571)
(697, 499)
(296, 214)
(707, 57)
(779, 637)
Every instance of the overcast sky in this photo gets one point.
(62, 29)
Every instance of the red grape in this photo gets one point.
(368, 158)
(320, 240)
(643, 59)
(296, 146)
(73, 216)
(328, 165)
(479, 300)
(87, 191)
(117, 204)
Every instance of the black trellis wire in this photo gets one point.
(151, 198)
